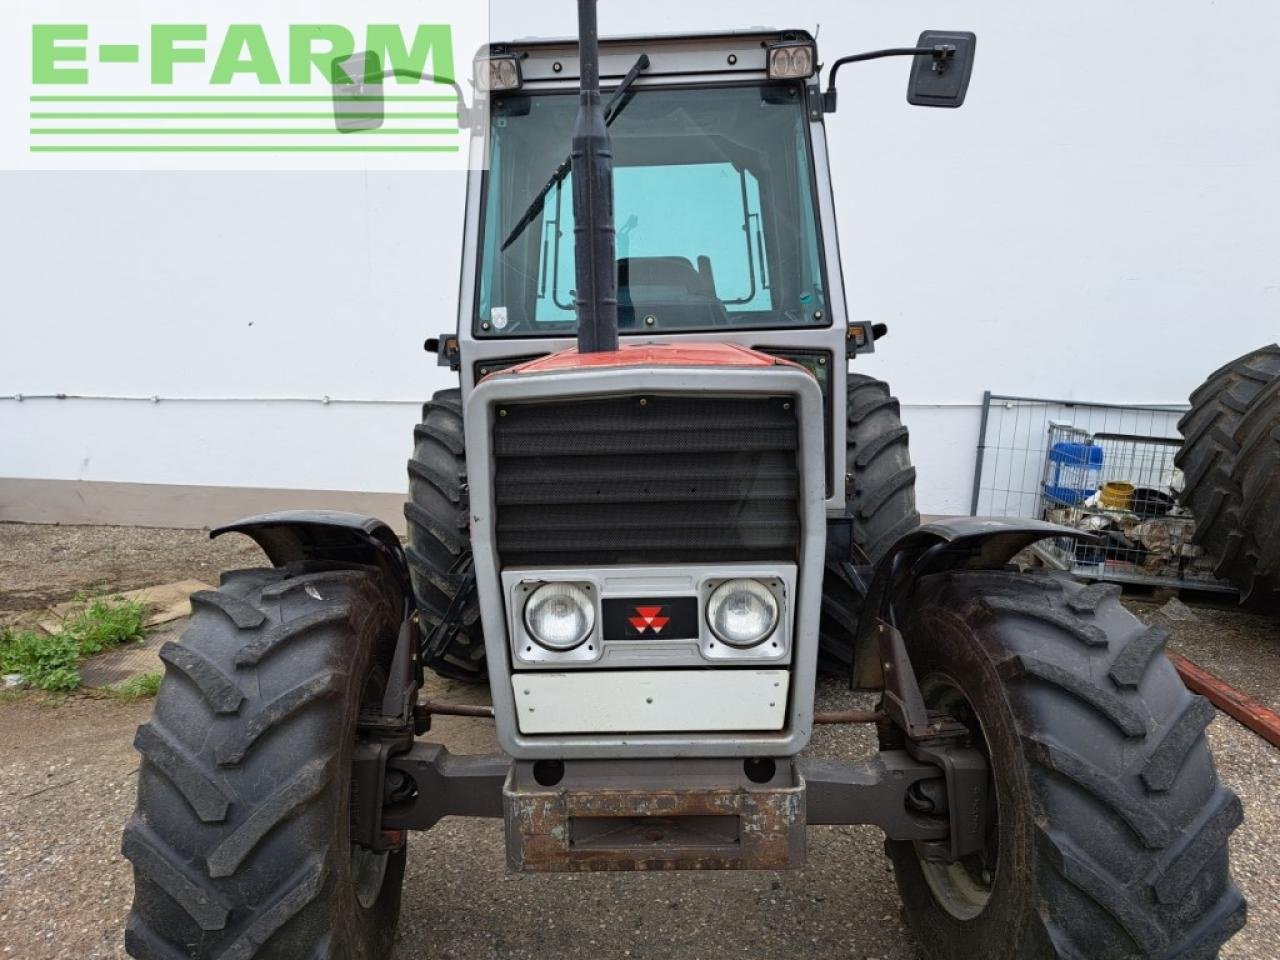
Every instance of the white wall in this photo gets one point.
(1099, 222)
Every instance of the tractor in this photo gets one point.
(656, 505)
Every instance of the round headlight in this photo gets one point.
(559, 616)
(742, 613)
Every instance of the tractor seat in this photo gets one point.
(664, 273)
(671, 288)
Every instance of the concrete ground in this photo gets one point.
(67, 782)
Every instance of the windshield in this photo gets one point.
(713, 205)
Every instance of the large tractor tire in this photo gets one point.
(880, 493)
(1257, 473)
(241, 843)
(439, 550)
(1108, 838)
(1208, 461)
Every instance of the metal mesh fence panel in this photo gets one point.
(1104, 468)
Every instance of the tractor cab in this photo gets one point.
(721, 198)
(715, 201)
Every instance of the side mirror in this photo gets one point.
(357, 93)
(941, 78)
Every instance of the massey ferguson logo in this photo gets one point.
(649, 618)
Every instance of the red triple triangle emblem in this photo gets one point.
(648, 618)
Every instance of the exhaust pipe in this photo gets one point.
(595, 258)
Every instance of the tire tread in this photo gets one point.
(1128, 816)
(879, 496)
(439, 542)
(1209, 461)
(233, 841)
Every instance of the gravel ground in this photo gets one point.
(67, 781)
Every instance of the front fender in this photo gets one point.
(297, 536)
(962, 543)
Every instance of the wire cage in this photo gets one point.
(1104, 468)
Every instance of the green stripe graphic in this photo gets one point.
(237, 116)
(231, 131)
(210, 148)
(238, 99)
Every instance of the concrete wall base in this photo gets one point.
(169, 505)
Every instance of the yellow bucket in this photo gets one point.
(1117, 495)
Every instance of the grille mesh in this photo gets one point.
(647, 480)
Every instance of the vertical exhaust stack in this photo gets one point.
(595, 259)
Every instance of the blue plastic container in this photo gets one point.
(1075, 473)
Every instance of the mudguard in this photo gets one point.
(963, 543)
(296, 536)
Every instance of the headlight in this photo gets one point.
(742, 613)
(559, 616)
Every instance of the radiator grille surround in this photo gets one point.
(646, 479)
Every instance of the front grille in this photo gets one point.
(654, 479)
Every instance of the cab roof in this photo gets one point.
(740, 51)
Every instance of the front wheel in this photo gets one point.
(1107, 838)
(241, 843)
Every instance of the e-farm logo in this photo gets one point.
(231, 88)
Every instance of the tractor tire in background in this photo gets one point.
(241, 843)
(1108, 838)
(439, 547)
(1211, 443)
(880, 493)
(1257, 474)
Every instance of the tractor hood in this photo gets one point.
(653, 355)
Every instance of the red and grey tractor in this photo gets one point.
(657, 504)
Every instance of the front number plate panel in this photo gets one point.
(651, 701)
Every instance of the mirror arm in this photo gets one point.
(942, 53)
(464, 112)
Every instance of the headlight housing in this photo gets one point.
(791, 61)
(494, 74)
(559, 616)
(742, 613)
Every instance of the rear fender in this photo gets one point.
(299, 536)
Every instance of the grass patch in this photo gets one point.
(52, 662)
(137, 688)
(104, 624)
(45, 662)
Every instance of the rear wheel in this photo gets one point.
(880, 496)
(1107, 837)
(439, 550)
(241, 843)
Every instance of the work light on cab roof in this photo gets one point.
(792, 60)
(497, 74)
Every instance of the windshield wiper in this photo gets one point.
(611, 110)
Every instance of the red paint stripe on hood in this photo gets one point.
(655, 355)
